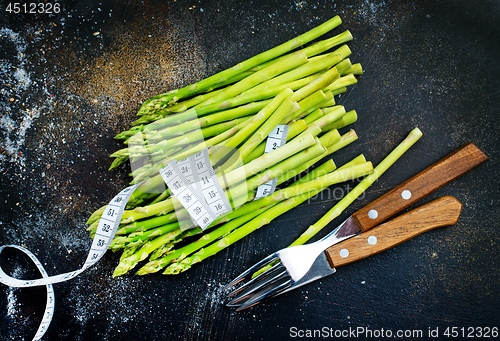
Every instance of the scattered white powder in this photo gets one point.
(14, 123)
(23, 78)
(299, 5)
(12, 303)
(18, 131)
(215, 295)
(212, 297)
(368, 9)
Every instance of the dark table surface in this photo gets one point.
(71, 81)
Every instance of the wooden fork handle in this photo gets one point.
(427, 181)
(440, 212)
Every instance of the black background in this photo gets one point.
(72, 80)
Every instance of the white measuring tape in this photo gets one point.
(275, 139)
(49, 306)
(194, 183)
(108, 224)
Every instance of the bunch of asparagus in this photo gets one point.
(235, 110)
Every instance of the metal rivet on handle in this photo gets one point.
(406, 194)
(372, 240)
(372, 214)
(344, 253)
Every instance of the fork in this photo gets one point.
(288, 267)
(285, 274)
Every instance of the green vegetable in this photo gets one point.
(233, 112)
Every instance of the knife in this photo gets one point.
(454, 165)
(427, 181)
(459, 162)
(441, 212)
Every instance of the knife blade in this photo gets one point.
(441, 212)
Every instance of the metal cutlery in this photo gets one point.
(295, 266)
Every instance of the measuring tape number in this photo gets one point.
(192, 180)
(106, 229)
(275, 139)
(194, 183)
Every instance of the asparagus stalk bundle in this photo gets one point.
(236, 110)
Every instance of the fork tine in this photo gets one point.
(270, 291)
(256, 278)
(272, 277)
(250, 270)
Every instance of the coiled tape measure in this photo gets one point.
(194, 183)
(108, 224)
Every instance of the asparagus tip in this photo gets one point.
(124, 266)
(176, 268)
(150, 268)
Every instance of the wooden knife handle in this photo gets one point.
(440, 212)
(427, 181)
